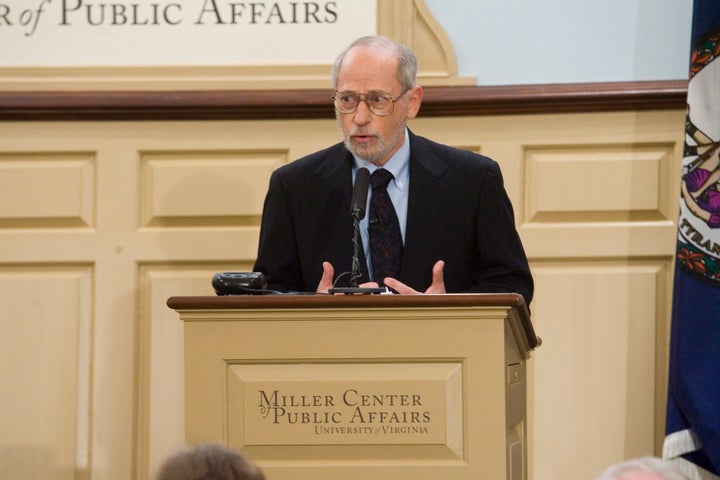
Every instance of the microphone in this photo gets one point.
(360, 193)
(357, 210)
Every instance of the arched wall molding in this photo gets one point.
(412, 23)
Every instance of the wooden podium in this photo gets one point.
(390, 387)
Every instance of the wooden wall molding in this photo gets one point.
(315, 103)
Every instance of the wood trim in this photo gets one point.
(231, 302)
(512, 301)
(315, 103)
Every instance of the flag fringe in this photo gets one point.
(679, 443)
(692, 471)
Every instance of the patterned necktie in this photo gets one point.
(386, 244)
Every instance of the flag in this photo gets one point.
(692, 438)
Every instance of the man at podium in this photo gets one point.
(448, 225)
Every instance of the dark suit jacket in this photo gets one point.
(458, 211)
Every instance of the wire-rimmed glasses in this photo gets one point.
(379, 103)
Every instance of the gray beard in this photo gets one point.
(383, 149)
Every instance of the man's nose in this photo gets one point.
(362, 113)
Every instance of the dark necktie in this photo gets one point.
(386, 244)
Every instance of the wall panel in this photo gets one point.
(594, 376)
(64, 181)
(45, 364)
(160, 336)
(590, 183)
(175, 186)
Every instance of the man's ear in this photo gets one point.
(415, 96)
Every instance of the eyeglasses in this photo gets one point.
(379, 103)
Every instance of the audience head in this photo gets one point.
(209, 462)
(645, 468)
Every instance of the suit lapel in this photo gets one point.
(429, 205)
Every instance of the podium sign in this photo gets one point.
(345, 404)
(391, 386)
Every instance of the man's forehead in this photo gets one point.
(368, 68)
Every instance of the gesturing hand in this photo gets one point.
(437, 285)
(326, 281)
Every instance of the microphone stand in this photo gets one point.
(355, 274)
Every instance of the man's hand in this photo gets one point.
(437, 286)
(326, 281)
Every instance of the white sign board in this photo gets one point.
(99, 33)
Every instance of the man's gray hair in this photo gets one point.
(662, 468)
(407, 62)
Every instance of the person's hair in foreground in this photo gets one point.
(209, 462)
(644, 468)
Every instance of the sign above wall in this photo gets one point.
(114, 33)
(191, 45)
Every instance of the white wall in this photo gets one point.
(505, 42)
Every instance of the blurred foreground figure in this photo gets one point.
(209, 462)
(645, 468)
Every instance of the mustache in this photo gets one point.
(362, 131)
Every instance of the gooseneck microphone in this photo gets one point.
(357, 210)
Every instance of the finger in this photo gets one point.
(438, 275)
(438, 282)
(398, 286)
(326, 281)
